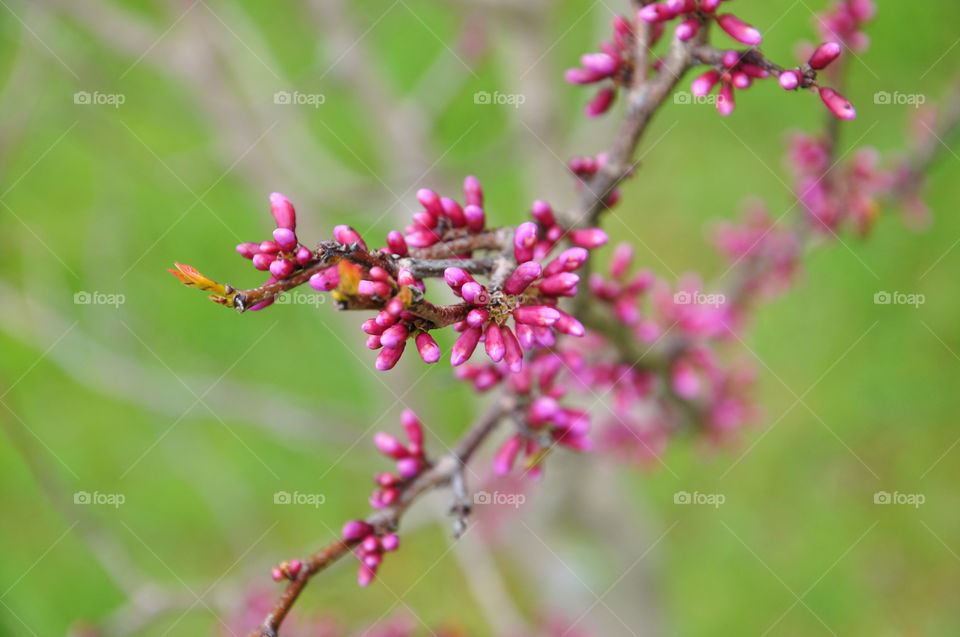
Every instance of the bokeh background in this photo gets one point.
(197, 416)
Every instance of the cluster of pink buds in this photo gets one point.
(286, 570)
(584, 168)
(440, 217)
(693, 13)
(283, 254)
(832, 194)
(612, 67)
(844, 21)
(409, 458)
(369, 548)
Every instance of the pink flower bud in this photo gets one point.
(477, 317)
(370, 544)
(824, 55)
(589, 238)
(325, 280)
(282, 268)
(741, 80)
(394, 336)
(475, 217)
(541, 315)
(702, 86)
(601, 102)
(425, 219)
(304, 255)
(389, 496)
(837, 104)
(355, 530)
(373, 288)
(739, 30)
(789, 80)
(453, 212)
(542, 410)
(293, 567)
(411, 425)
(456, 277)
(390, 446)
(422, 238)
(522, 276)
(396, 243)
(430, 201)
(493, 342)
(372, 560)
(427, 347)
(581, 76)
(559, 284)
(654, 13)
(725, 103)
(710, 5)
(269, 247)
(524, 238)
(248, 250)
(464, 346)
(395, 306)
(621, 259)
(566, 324)
(388, 357)
(285, 238)
(475, 293)
(408, 467)
(525, 336)
(262, 261)
(365, 575)
(390, 542)
(684, 381)
(472, 191)
(512, 353)
(385, 319)
(373, 342)
(405, 278)
(283, 212)
(507, 454)
(277, 574)
(599, 63)
(543, 213)
(730, 59)
(347, 235)
(687, 29)
(567, 261)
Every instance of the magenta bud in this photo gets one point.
(601, 102)
(370, 326)
(687, 29)
(325, 280)
(388, 357)
(395, 306)
(789, 80)
(524, 239)
(464, 346)
(277, 574)
(372, 560)
(543, 213)
(389, 445)
(430, 202)
(710, 5)
(477, 317)
(525, 336)
(390, 542)
(405, 278)
(542, 410)
(824, 55)
(493, 342)
(283, 212)
(394, 336)
(365, 575)
(472, 191)
(512, 353)
(370, 544)
(453, 212)
(347, 235)
(741, 80)
(523, 276)
(567, 324)
(620, 262)
(373, 342)
(355, 530)
(423, 238)
(408, 467)
(739, 30)
(428, 348)
(385, 319)
(599, 63)
(425, 219)
(373, 288)
(269, 247)
(837, 104)
(725, 102)
(285, 238)
(702, 86)
(559, 284)
(304, 255)
(411, 425)
(507, 454)
(293, 567)
(282, 268)
(589, 238)
(475, 293)
(456, 277)
(540, 315)
(386, 479)
(263, 261)
(475, 217)
(396, 243)
(248, 250)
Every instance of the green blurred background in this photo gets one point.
(198, 416)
